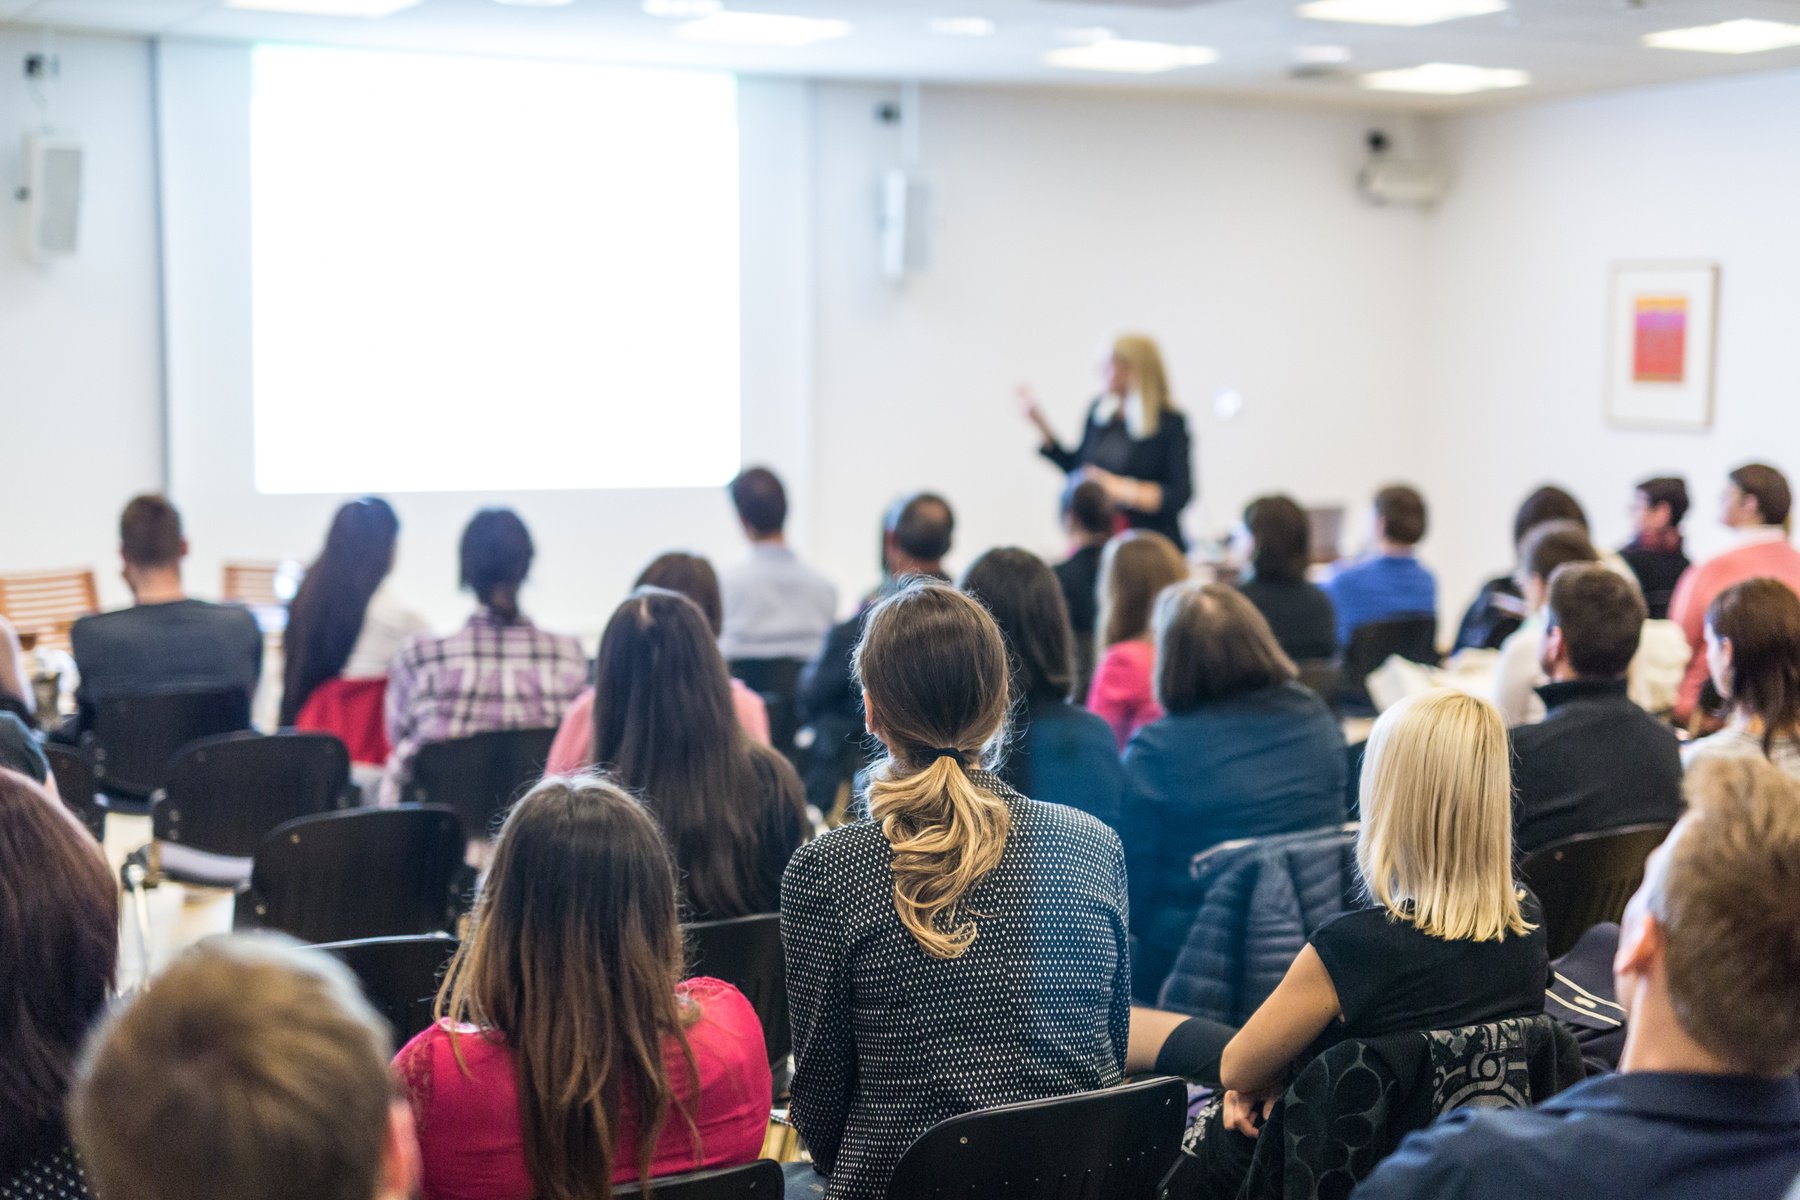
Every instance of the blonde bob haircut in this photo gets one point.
(1147, 376)
(1435, 845)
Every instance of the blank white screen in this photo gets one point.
(473, 274)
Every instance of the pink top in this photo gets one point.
(470, 1144)
(573, 748)
(1122, 692)
(1773, 557)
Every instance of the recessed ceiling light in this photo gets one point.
(1132, 58)
(685, 10)
(1728, 37)
(1082, 35)
(762, 29)
(1398, 12)
(325, 8)
(1322, 56)
(1445, 79)
(962, 26)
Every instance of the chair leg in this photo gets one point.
(135, 875)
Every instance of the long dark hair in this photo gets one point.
(327, 613)
(59, 948)
(1761, 619)
(573, 956)
(1027, 603)
(664, 727)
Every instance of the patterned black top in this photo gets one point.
(888, 1040)
(52, 1175)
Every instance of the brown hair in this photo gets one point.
(1761, 619)
(1548, 503)
(1725, 899)
(1027, 603)
(934, 666)
(691, 576)
(1282, 537)
(150, 532)
(1768, 487)
(1402, 513)
(1134, 569)
(1212, 644)
(1550, 545)
(1666, 489)
(59, 946)
(573, 958)
(1601, 616)
(250, 1068)
(760, 500)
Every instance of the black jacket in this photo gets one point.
(1166, 457)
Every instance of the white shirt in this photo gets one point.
(1133, 404)
(775, 606)
(386, 624)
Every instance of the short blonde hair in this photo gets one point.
(1435, 845)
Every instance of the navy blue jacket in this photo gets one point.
(1063, 754)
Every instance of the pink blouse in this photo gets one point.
(573, 748)
(1122, 691)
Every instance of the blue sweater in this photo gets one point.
(1064, 754)
(1380, 589)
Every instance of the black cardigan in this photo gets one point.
(1165, 457)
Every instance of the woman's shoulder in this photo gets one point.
(434, 1051)
(822, 861)
(721, 1005)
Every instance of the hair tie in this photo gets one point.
(948, 752)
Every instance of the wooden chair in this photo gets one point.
(251, 584)
(42, 605)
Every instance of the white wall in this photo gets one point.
(1546, 199)
(80, 353)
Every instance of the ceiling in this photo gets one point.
(1568, 46)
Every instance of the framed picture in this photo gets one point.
(1660, 331)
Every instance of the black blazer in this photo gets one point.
(1165, 457)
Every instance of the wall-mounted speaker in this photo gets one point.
(51, 195)
(905, 225)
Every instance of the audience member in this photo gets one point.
(1596, 761)
(1449, 939)
(963, 947)
(1753, 654)
(1089, 519)
(774, 605)
(1245, 751)
(730, 808)
(1499, 608)
(1388, 583)
(20, 751)
(1279, 550)
(1705, 1102)
(16, 695)
(1518, 672)
(499, 671)
(1059, 753)
(1654, 553)
(59, 933)
(1755, 508)
(686, 575)
(166, 642)
(253, 1068)
(567, 1057)
(1134, 570)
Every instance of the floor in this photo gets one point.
(177, 916)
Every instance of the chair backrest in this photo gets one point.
(777, 681)
(1584, 880)
(1322, 676)
(746, 953)
(1114, 1144)
(479, 776)
(362, 873)
(1413, 638)
(251, 583)
(399, 975)
(759, 1180)
(75, 784)
(135, 738)
(43, 604)
(224, 794)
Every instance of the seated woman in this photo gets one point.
(59, 943)
(1278, 548)
(1245, 751)
(1753, 655)
(16, 695)
(962, 947)
(499, 671)
(1134, 568)
(1449, 938)
(1060, 753)
(566, 1056)
(691, 576)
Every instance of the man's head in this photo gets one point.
(1087, 512)
(1709, 949)
(1757, 494)
(1546, 548)
(917, 536)
(1548, 503)
(250, 1068)
(1658, 504)
(761, 503)
(1399, 516)
(150, 540)
(1595, 618)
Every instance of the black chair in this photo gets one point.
(134, 739)
(1371, 644)
(1114, 1144)
(1585, 880)
(1322, 676)
(759, 1180)
(375, 872)
(399, 975)
(75, 783)
(479, 776)
(777, 681)
(746, 953)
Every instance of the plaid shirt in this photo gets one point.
(487, 675)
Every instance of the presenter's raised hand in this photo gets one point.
(1032, 411)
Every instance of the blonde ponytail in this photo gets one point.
(946, 834)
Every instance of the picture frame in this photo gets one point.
(1662, 328)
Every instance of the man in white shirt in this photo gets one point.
(776, 607)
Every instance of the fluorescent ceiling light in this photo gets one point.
(535, 3)
(1728, 37)
(325, 8)
(762, 29)
(1131, 58)
(686, 10)
(1084, 34)
(962, 26)
(1398, 12)
(1322, 56)
(1445, 79)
